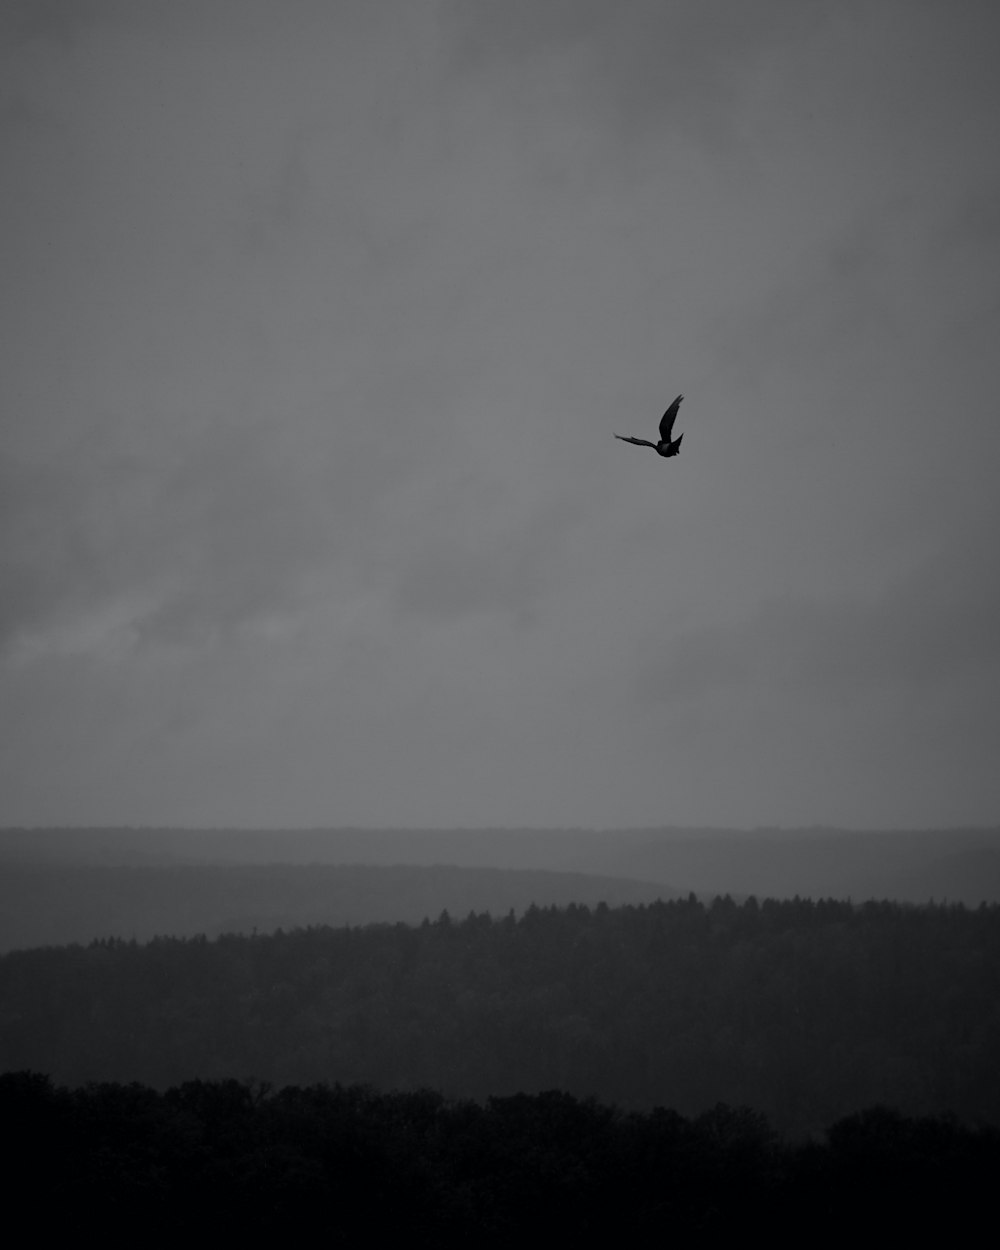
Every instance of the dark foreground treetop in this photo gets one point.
(234, 1160)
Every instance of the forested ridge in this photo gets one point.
(235, 1160)
(806, 1011)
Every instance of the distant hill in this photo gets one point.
(53, 904)
(954, 865)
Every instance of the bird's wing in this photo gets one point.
(668, 419)
(639, 442)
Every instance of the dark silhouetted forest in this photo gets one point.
(232, 1160)
(807, 1011)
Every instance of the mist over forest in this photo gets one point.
(481, 962)
(807, 1011)
(476, 967)
(77, 885)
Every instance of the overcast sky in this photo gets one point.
(318, 319)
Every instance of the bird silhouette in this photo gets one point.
(664, 447)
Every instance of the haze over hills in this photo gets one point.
(77, 885)
(803, 1009)
(956, 865)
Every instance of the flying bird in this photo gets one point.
(664, 447)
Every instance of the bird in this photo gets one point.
(664, 447)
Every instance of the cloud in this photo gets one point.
(632, 66)
(940, 623)
(468, 571)
(219, 527)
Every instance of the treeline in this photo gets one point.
(804, 1010)
(232, 1159)
(51, 904)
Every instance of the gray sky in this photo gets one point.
(318, 320)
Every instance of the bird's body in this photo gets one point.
(664, 447)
